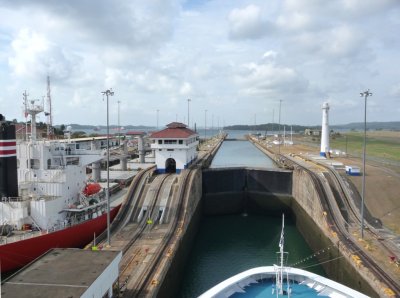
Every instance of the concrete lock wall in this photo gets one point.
(172, 276)
(312, 223)
(227, 191)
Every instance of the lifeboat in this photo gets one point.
(91, 189)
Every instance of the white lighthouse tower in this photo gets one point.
(325, 130)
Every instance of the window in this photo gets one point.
(170, 149)
(34, 164)
(181, 142)
(159, 141)
(170, 142)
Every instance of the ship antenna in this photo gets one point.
(281, 245)
(281, 268)
(25, 97)
(49, 114)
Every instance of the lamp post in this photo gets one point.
(279, 134)
(205, 124)
(119, 126)
(189, 100)
(364, 94)
(157, 119)
(108, 93)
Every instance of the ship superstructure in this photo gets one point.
(46, 200)
(51, 178)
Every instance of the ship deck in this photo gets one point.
(306, 284)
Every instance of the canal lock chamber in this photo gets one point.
(218, 192)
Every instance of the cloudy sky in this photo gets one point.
(235, 59)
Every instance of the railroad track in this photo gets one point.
(129, 250)
(126, 207)
(150, 276)
(337, 183)
(340, 225)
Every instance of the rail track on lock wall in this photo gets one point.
(340, 225)
(147, 220)
(130, 203)
(342, 196)
(150, 276)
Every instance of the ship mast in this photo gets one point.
(49, 114)
(281, 270)
(33, 110)
(25, 96)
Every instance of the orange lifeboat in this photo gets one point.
(91, 189)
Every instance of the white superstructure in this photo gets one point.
(51, 179)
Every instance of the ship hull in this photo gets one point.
(17, 254)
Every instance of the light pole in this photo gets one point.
(364, 94)
(108, 93)
(157, 119)
(119, 126)
(189, 100)
(279, 134)
(205, 124)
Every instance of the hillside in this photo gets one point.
(393, 125)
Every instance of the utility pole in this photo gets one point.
(364, 94)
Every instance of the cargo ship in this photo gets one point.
(46, 199)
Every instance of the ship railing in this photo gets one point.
(56, 167)
(22, 236)
(84, 152)
(35, 233)
(13, 199)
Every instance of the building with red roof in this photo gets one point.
(175, 147)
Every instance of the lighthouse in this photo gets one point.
(325, 130)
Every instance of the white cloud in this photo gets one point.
(156, 54)
(269, 80)
(186, 89)
(395, 90)
(247, 23)
(34, 56)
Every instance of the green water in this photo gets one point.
(240, 154)
(227, 245)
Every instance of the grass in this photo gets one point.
(380, 144)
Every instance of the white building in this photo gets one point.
(175, 147)
(67, 272)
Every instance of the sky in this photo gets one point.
(239, 62)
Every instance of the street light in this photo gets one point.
(108, 93)
(157, 119)
(279, 134)
(189, 100)
(119, 126)
(205, 124)
(364, 94)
